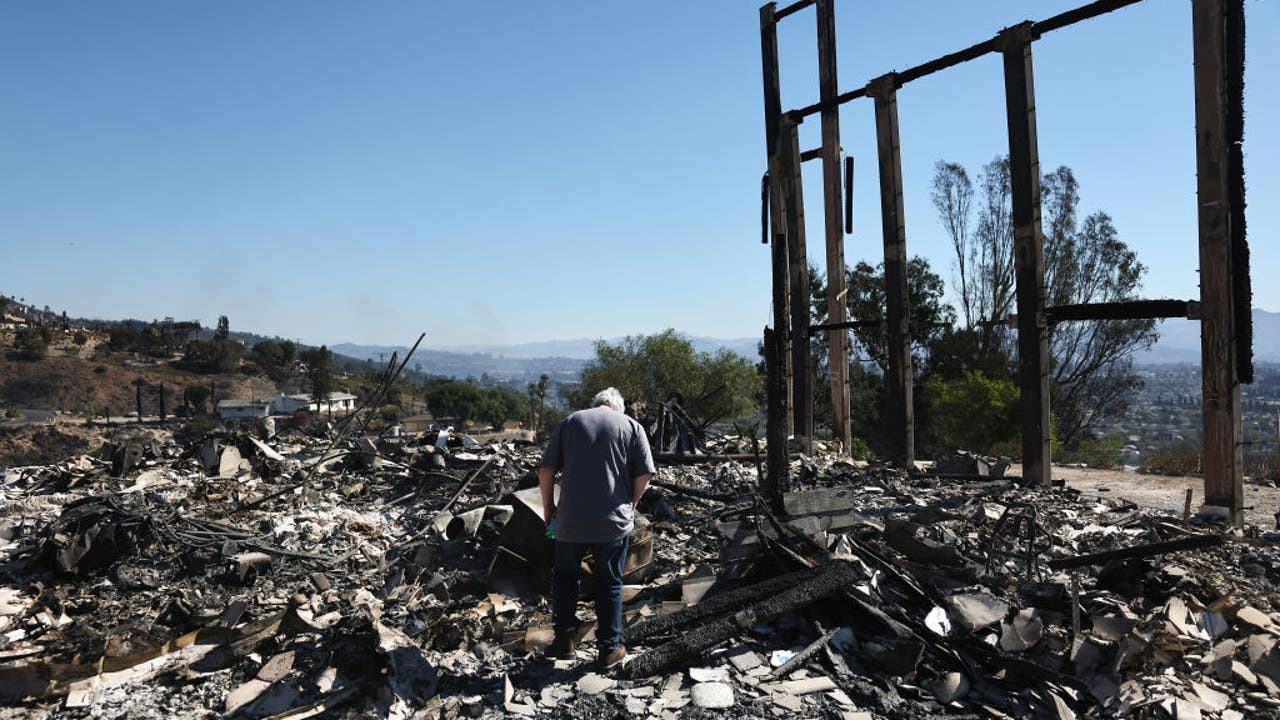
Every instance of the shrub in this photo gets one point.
(1174, 460)
(30, 343)
(1102, 453)
(859, 449)
(975, 412)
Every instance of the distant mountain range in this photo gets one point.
(563, 359)
(1180, 341)
(585, 349)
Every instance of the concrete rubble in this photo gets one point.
(295, 576)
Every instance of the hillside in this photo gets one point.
(76, 378)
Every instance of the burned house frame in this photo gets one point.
(1223, 307)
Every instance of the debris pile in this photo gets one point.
(293, 576)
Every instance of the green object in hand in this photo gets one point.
(551, 529)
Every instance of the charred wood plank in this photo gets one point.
(1192, 542)
(1132, 310)
(720, 604)
(823, 582)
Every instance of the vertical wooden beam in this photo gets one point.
(777, 220)
(897, 294)
(837, 340)
(1028, 248)
(801, 356)
(777, 375)
(777, 471)
(1223, 450)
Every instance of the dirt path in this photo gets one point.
(1166, 492)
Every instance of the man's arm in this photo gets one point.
(546, 483)
(640, 484)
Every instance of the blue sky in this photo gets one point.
(506, 172)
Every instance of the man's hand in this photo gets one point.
(640, 484)
(546, 483)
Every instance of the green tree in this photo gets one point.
(31, 343)
(319, 373)
(538, 401)
(654, 368)
(275, 357)
(224, 328)
(211, 356)
(195, 397)
(865, 300)
(123, 337)
(1085, 262)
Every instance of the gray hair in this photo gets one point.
(609, 396)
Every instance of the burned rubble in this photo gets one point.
(297, 576)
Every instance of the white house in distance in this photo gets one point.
(337, 402)
(235, 409)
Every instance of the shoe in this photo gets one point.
(562, 646)
(612, 658)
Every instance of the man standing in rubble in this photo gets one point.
(606, 465)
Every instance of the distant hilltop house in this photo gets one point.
(238, 409)
(337, 402)
(418, 423)
(12, 322)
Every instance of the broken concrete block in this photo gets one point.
(788, 702)
(806, 686)
(976, 610)
(711, 695)
(1253, 618)
(594, 684)
(744, 659)
(1213, 700)
(703, 675)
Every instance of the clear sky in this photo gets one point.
(505, 172)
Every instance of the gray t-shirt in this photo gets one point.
(600, 451)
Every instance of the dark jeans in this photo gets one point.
(606, 569)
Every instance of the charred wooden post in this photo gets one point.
(801, 356)
(837, 340)
(777, 213)
(776, 478)
(162, 408)
(137, 396)
(897, 295)
(1219, 209)
(1028, 241)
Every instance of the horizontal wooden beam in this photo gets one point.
(977, 50)
(1130, 310)
(792, 8)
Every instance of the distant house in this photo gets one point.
(236, 409)
(418, 423)
(12, 322)
(338, 402)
